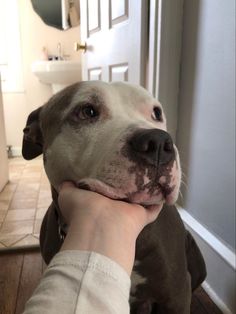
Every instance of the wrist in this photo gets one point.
(111, 241)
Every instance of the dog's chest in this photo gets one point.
(137, 282)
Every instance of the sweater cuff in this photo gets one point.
(95, 261)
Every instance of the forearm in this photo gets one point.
(81, 282)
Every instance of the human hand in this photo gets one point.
(97, 223)
(77, 204)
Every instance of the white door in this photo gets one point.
(116, 33)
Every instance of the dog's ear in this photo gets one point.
(33, 140)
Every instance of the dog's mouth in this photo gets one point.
(144, 198)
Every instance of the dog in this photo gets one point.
(112, 138)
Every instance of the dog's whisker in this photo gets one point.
(181, 196)
(184, 181)
(184, 175)
(183, 166)
(184, 187)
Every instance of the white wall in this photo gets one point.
(3, 154)
(34, 35)
(206, 131)
(206, 127)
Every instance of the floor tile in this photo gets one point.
(30, 177)
(2, 245)
(26, 194)
(4, 204)
(40, 213)
(6, 195)
(9, 240)
(17, 227)
(33, 168)
(32, 180)
(44, 193)
(26, 241)
(36, 161)
(44, 175)
(32, 171)
(14, 178)
(17, 161)
(28, 203)
(2, 215)
(16, 167)
(27, 186)
(19, 214)
(23, 203)
(37, 226)
(10, 187)
(45, 187)
(44, 202)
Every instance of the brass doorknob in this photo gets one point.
(78, 46)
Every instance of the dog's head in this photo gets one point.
(108, 138)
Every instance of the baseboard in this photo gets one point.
(16, 151)
(220, 261)
(215, 298)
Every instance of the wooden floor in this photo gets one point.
(21, 271)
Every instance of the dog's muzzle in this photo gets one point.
(154, 147)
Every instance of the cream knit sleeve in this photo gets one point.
(81, 282)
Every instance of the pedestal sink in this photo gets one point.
(58, 74)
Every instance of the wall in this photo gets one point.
(3, 155)
(34, 35)
(206, 134)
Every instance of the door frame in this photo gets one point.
(164, 57)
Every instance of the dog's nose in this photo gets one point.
(153, 146)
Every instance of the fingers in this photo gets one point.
(70, 197)
(66, 184)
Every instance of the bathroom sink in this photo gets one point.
(59, 74)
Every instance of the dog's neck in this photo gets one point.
(62, 226)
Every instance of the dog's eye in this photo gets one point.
(88, 111)
(157, 114)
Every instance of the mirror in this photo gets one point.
(62, 14)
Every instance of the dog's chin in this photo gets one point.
(139, 197)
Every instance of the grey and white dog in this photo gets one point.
(113, 139)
